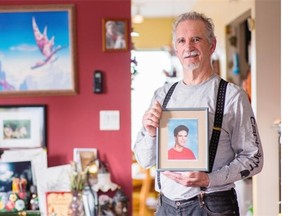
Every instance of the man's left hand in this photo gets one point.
(189, 179)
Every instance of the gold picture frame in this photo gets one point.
(39, 49)
(115, 34)
(195, 122)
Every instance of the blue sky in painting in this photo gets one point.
(16, 29)
(19, 52)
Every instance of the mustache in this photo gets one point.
(191, 54)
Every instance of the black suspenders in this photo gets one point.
(168, 95)
(217, 122)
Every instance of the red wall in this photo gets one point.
(73, 121)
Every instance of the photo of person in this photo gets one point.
(183, 139)
(16, 129)
(115, 34)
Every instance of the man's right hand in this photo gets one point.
(151, 118)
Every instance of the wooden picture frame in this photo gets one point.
(22, 126)
(194, 126)
(115, 34)
(39, 46)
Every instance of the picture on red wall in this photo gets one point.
(37, 50)
(22, 126)
(115, 34)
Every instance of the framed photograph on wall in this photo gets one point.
(22, 126)
(182, 140)
(37, 50)
(115, 34)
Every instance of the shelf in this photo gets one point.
(21, 213)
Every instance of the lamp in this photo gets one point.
(138, 18)
(104, 182)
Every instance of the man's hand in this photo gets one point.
(189, 179)
(151, 118)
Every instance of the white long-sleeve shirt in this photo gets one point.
(239, 154)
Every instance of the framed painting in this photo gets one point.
(115, 34)
(22, 126)
(15, 180)
(37, 50)
(182, 140)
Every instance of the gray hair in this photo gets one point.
(195, 16)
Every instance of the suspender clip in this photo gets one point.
(217, 128)
(201, 196)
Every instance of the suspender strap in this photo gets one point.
(217, 123)
(164, 105)
(168, 95)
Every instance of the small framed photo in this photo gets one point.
(22, 126)
(85, 157)
(182, 143)
(115, 34)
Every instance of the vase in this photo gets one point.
(76, 207)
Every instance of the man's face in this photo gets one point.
(181, 138)
(192, 46)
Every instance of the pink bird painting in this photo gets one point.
(45, 46)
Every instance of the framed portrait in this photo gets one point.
(182, 140)
(115, 34)
(38, 50)
(22, 126)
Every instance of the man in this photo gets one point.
(239, 154)
(179, 151)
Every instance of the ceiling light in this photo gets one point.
(138, 18)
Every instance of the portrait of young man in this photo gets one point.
(182, 141)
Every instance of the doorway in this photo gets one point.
(151, 70)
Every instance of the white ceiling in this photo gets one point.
(161, 8)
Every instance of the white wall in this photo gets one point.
(284, 107)
(266, 92)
